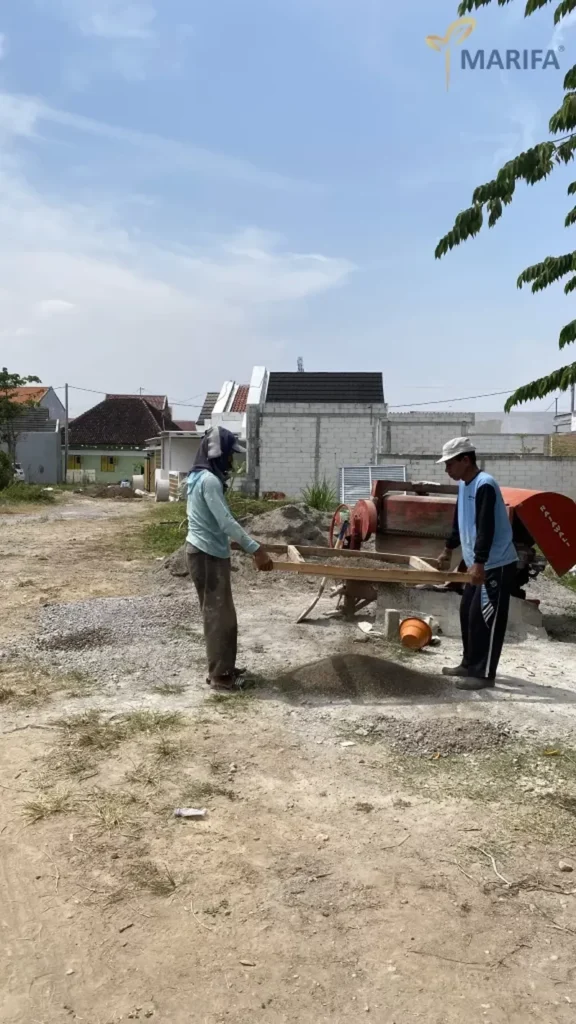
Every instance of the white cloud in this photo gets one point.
(18, 114)
(161, 313)
(560, 31)
(107, 19)
(125, 40)
(48, 308)
(21, 114)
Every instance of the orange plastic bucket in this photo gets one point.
(415, 633)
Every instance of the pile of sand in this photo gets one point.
(290, 524)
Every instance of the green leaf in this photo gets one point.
(567, 335)
(542, 275)
(571, 188)
(534, 5)
(565, 151)
(570, 285)
(472, 5)
(564, 8)
(560, 380)
(570, 218)
(495, 212)
(570, 78)
(564, 120)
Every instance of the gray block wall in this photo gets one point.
(533, 472)
(301, 444)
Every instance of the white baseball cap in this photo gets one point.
(457, 446)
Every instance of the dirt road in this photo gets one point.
(376, 845)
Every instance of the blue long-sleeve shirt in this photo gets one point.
(211, 525)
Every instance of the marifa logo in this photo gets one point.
(457, 32)
(486, 60)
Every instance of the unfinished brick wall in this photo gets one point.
(532, 472)
(302, 444)
(563, 444)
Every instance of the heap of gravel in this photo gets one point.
(151, 638)
(358, 676)
(437, 735)
(290, 524)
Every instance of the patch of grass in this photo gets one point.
(232, 703)
(320, 496)
(568, 581)
(113, 811)
(242, 505)
(537, 791)
(19, 493)
(166, 750)
(145, 773)
(91, 730)
(169, 689)
(164, 530)
(85, 738)
(197, 790)
(25, 685)
(46, 805)
(147, 875)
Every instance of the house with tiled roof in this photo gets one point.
(109, 442)
(39, 396)
(203, 421)
(227, 409)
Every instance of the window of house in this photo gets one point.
(74, 462)
(108, 463)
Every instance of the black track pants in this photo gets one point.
(483, 619)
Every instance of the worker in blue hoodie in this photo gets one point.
(211, 526)
(483, 530)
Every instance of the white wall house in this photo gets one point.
(229, 409)
(302, 428)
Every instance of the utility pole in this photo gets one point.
(66, 423)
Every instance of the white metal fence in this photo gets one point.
(356, 481)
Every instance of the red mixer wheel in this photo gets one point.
(364, 519)
(337, 521)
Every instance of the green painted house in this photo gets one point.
(107, 444)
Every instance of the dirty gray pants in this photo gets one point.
(211, 577)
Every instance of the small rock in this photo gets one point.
(70, 971)
(348, 743)
(566, 866)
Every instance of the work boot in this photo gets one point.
(459, 670)
(475, 683)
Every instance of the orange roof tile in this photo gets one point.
(27, 394)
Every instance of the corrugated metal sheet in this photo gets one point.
(356, 481)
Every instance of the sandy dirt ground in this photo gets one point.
(376, 844)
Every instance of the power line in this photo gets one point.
(446, 401)
(173, 401)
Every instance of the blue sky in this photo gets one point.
(189, 189)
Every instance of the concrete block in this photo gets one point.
(525, 619)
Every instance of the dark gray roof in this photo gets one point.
(326, 387)
(119, 421)
(207, 408)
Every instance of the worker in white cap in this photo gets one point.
(482, 528)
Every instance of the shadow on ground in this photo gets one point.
(360, 677)
(561, 627)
